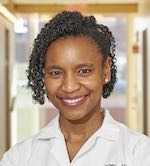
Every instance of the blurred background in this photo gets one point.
(21, 21)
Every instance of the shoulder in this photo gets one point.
(137, 145)
(10, 158)
(23, 150)
(131, 137)
(123, 134)
(20, 151)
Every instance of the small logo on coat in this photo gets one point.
(116, 165)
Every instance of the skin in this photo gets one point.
(74, 79)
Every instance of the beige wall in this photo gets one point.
(132, 114)
(5, 24)
(148, 64)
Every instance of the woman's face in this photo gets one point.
(74, 76)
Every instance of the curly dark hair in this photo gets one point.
(67, 24)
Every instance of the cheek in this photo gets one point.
(94, 84)
(51, 86)
(98, 86)
(96, 80)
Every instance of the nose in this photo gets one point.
(70, 84)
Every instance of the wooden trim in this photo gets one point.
(11, 3)
(7, 89)
(3, 16)
(91, 8)
(111, 8)
(145, 89)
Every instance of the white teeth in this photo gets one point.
(70, 101)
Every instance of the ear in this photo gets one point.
(107, 71)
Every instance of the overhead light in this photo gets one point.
(20, 26)
(140, 24)
(5, 12)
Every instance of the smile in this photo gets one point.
(74, 101)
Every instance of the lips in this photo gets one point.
(74, 101)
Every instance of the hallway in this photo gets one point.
(21, 21)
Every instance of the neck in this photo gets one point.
(81, 129)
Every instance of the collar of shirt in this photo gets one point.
(109, 129)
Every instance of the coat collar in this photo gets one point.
(109, 129)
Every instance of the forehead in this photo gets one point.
(79, 42)
(73, 49)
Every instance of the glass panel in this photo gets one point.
(116, 103)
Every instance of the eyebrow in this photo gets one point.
(53, 67)
(85, 65)
(78, 66)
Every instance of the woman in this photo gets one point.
(73, 63)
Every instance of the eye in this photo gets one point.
(84, 71)
(55, 73)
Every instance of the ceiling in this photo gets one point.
(53, 6)
(69, 1)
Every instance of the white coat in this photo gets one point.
(111, 145)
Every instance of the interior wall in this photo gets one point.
(25, 117)
(144, 42)
(144, 12)
(5, 26)
(132, 111)
(148, 76)
(2, 88)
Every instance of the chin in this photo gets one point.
(76, 117)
